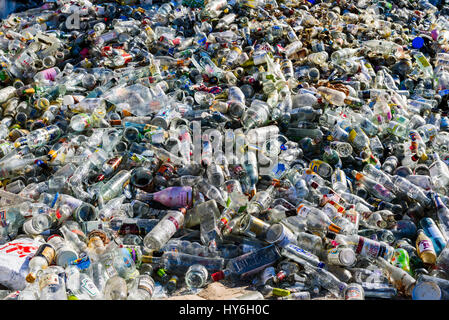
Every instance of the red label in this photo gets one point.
(175, 222)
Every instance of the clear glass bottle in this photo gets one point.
(52, 284)
(300, 255)
(363, 246)
(178, 262)
(261, 201)
(43, 257)
(310, 242)
(142, 287)
(164, 230)
(316, 220)
(116, 288)
(256, 115)
(401, 279)
(114, 187)
(196, 276)
(249, 263)
(209, 214)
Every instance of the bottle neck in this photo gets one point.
(144, 196)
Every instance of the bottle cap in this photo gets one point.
(98, 233)
(31, 277)
(217, 276)
(161, 273)
(418, 43)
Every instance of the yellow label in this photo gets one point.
(48, 253)
(237, 49)
(281, 292)
(315, 164)
(424, 61)
(352, 135)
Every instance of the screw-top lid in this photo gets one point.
(161, 273)
(217, 276)
(99, 233)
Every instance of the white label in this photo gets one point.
(111, 271)
(88, 286)
(370, 248)
(147, 285)
(48, 279)
(425, 245)
(303, 211)
(333, 256)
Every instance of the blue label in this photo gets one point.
(138, 126)
(254, 261)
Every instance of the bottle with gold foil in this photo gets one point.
(43, 257)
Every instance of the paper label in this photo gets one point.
(147, 285)
(48, 280)
(88, 286)
(368, 247)
(425, 245)
(47, 252)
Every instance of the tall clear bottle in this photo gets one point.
(142, 287)
(164, 230)
(249, 263)
(114, 187)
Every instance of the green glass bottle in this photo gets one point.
(401, 260)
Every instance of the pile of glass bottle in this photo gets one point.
(299, 149)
